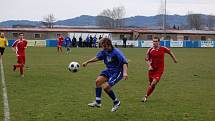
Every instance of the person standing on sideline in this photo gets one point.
(68, 44)
(3, 44)
(94, 41)
(100, 37)
(87, 41)
(124, 39)
(155, 61)
(74, 41)
(19, 47)
(116, 69)
(60, 43)
(91, 41)
(80, 41)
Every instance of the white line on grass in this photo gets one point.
(5, 98)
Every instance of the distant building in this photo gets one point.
(115, 34)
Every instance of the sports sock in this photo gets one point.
(98, 94)
(21, 69)
(150, 90)
(18, 65)
(112, 96)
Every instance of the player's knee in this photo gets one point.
(98, 83)
(21, 65)
(106, 87)
(153, 85)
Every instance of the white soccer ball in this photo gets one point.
(73, 66)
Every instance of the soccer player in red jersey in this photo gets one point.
(19, 47)
(155, 61)
(60, 43)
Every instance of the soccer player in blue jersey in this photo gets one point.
(116, 69)
(68, 44)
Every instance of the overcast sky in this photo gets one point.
(36, 10)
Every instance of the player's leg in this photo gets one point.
(151, 87)
(99, 81)
(154, 77)
(107, 86)
(18, 63)
(150, 78)
(67, 49)
(61, 49)
(1, 51)
(58, 48)
(22, 63)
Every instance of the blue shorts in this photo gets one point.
(113, 76)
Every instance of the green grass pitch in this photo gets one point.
(49, 92)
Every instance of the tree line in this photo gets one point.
(115, 18)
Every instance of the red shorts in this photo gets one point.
(155, 74)
(21, 59)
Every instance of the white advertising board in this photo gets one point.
(176, 43)
(207, 44)
(37, 43)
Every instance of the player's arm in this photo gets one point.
(26, 43)
(173, 56)
(6, 42)
(90, 61)
(148, 62)
(123, 60)
(13, 49)
(125, 71)
(14, 46)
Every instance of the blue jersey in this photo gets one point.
(113, 60)
(68, 41)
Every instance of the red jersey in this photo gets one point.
(156, 57)
(20, 46)
(60, 41)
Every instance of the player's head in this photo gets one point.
(156, 41)
(21, 35)
(60, 35)
(2, 35)
(106, 44)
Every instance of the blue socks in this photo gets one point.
(98, 94)
(113, 97)
(110, 93)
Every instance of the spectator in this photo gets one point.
(124, 41)
(3, 44)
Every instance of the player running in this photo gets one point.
(60, 43)
(155, 61)
(19, 47)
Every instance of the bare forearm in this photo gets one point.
(125, 68)
(90, 61)
(173, 57)
(125, 71)
(13, 49)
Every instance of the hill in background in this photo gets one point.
(86, 20)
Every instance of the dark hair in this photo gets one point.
(21, 33)
(157, 38)
(106, 41)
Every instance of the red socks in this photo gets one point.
(150, 90)
(21, 66)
